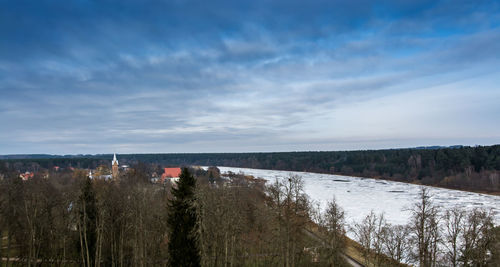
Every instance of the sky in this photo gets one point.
(87, 77)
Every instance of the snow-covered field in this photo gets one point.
(357, 196)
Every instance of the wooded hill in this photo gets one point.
(467, 168)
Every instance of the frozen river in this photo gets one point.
(357, 196)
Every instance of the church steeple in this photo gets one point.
(115, 161)
(114, 166)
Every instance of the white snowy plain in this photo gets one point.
(358, 196)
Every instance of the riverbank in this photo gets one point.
(358, 195)
(493, 193)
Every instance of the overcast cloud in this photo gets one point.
(235, 76)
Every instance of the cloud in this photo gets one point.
(174, 76)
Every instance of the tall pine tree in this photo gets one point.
(183, 238)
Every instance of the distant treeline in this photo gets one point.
(468, 168)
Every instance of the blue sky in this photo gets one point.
(234, 76)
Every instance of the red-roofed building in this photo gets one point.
(171, 173)
(26, 176)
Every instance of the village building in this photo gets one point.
(171, 174)
(26, 176)
(103, 171)
(96, 174)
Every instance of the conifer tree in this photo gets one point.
(183, 238)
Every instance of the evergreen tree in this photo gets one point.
(183, 238)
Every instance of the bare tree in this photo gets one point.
(379, 238)
(424, 225)
(291, 206)
(221, 221)
(495, 248)
(296, 216)
(365, 234)
(396, 242)
(87, 214)
(372, 233)
(333, 220)
(478, 238)
(453, 226)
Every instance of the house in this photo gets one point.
(26, 176)
(172, 174)
(154, 177)
(124, 167)
(99, 175)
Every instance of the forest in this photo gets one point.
(459, 167)
(68, 219)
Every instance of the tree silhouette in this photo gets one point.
(183, 238)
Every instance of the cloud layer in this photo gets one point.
(223, 76)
